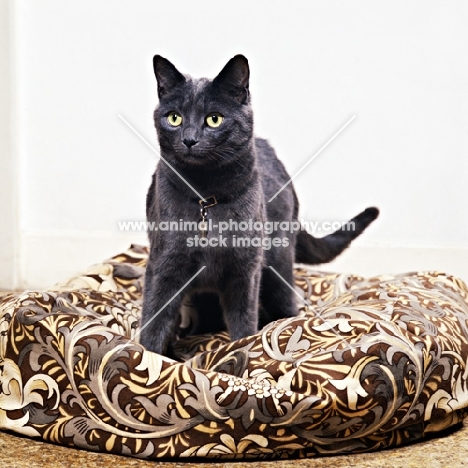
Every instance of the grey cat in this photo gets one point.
(215, 170)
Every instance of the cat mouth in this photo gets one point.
(195, 156)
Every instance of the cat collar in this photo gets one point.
(205, 203)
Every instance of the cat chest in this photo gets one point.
(210, 219)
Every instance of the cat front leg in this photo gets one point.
(161, 305)
(277, 296)
(239, 300)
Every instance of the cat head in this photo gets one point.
(201, 121)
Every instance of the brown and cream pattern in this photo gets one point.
(368, 364)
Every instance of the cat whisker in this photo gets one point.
(226, 154)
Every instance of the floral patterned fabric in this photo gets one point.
(368, 364)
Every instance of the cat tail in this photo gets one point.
(313, 250)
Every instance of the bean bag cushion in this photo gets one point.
(368, 364)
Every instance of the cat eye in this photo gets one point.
(174, 119)
(214, 120)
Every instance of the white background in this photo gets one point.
(71, 169)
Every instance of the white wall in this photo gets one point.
(398, 66)
(8, 176)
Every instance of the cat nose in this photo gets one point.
(189, 142)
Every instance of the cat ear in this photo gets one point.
(234, 79)
(166, 74)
